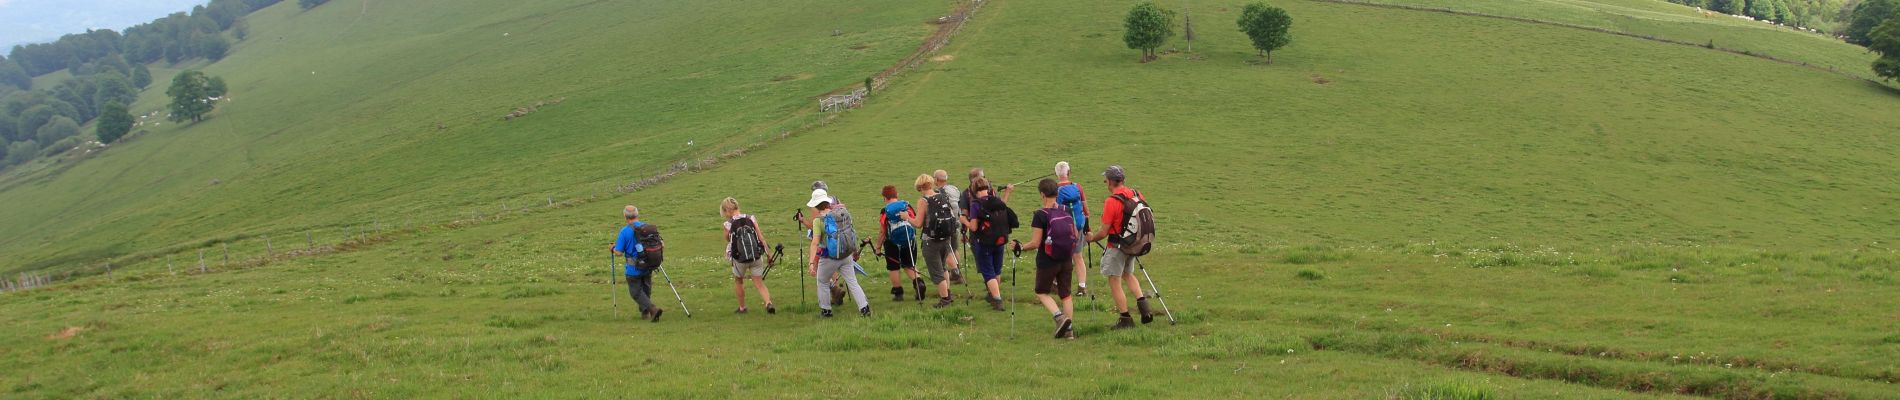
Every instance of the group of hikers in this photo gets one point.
(937, 228)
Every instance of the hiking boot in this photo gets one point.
(646, 314)
(656, 314)
(996, 303)
(944, 302)
(956, 276)
(897, 294)
(865, 312)
(825, 313)
(1064, 324)
(837, 295)
(740, 310)
(1081, 291)
(1124, 323)
(918, 283)
(769, 309)
(1147, 315)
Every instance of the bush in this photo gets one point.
(1309, 274)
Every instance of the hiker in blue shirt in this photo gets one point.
(639, 280)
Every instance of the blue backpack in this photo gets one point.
(1070, 197)
(897, 229)
(841, 239)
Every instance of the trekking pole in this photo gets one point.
(1156, 289)
(612, 262)
(1032, 179)
(1015, 259)
(676, 292)
(798, 222)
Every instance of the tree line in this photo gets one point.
(108, 72)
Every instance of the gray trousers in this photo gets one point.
(843, 268)
(641, 287)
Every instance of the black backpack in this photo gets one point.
(940, 222)
(653, 248)
(746, 245)
(994, 220)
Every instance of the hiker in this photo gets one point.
(1069, 195)
(745, 249)
(639, 277)
(1118, 266)
(838, 293)
(989, 221)
(956, 208)
(939, 229)
(1054, 238)
(897, 235)
(834, 250)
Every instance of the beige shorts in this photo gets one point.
(755, 269)
(1116, 263)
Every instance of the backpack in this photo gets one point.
(746, 245)
(653, 248)
(940, 220)
(897, 229)
(1074, 201)
(841, 238)
(994, 220)
(1058, 239)
(1138, 225)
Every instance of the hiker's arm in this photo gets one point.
(812, 268)
(1097, 235)
(1006, 191)
(1033, 244)
(916, 219)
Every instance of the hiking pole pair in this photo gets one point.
(676, 292)
(1156, 289)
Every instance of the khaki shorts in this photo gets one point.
(755, 269)
(935, 253)
(1117, 263)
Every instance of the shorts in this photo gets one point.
(1056, 279)
(935, 253)
(989, 260)
(1116, 263)
(899, 257)
(755, 269)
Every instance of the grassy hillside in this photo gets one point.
(1677, 22)
(1403, 201)
(358, 112)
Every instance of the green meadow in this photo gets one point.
(1405, 204)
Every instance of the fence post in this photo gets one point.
(201, 261)
(269, 250)
(310, 242)
(227, 255)
(108, 270)
(168, 265)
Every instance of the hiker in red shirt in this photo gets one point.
(1119, 266)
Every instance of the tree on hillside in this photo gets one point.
(309, 4)
(141, 76)
(12, 75)
(1761, 9)
(1885, 40)
(1866, 16)
(191, 96)
(58, 128)
(110, 87)
(214, 87)
(30, 121)
(114, 122)
(1268, 27)
(21, 151)
(1148, 27)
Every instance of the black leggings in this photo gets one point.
(641, 287)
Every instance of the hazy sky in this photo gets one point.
(31, 21)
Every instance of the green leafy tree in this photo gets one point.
(1268, 27)
(1885, 39)
(58, 128)
(12, 75)
(114, 122)
(110, 87)
(1761, 9)
(30, 121)
(1148, 27)
(141, 76)
(22, 151)
(1866, 16)
(191, 96)
(215, 87)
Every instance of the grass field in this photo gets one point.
(1405, 204)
